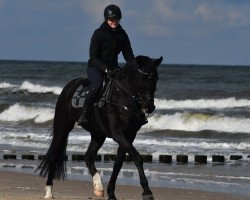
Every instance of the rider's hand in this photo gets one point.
(110, 72)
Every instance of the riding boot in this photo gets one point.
(83, 119)
(88, 104)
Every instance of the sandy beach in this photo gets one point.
(17, 186)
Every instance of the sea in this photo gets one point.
(200, 110)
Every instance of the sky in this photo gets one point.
(182, 31)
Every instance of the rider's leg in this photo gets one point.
(88, 103)
(95, 77)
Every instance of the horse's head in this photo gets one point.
(147, 76)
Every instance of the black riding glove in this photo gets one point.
(110, 72)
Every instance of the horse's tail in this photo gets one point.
(55, 158)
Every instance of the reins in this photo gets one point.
(135, 99)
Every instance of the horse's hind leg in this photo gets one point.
(57, 143)
(49, 183)
(90, 157)
(116, 169)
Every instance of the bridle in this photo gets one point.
(145, 97)
(139, 98)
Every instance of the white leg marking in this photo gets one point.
(48, 190)
(97, 183)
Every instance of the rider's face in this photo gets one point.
(113, 23)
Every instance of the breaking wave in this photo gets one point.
(37, 88)
(160, 103)
(18, 112)
(6, 85)
(79, 142)
(197, 122)
(202, 103)
(186, 121)
(31, 88)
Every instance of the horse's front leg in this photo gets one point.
(147, 194)
(128, 147)
(116, 169)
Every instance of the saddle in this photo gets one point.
(104, 96)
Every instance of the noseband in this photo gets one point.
(149, 75)
(145, 97)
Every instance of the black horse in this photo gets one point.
(131, 96)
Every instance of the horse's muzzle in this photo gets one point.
(149, 108)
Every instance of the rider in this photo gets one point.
(106, 43)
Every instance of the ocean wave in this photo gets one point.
(197, 122)
(186, 121)
(160, 103)
(195, 144)
(27, 140)
(31, 88)
(18, 112)
(202, 103)
(79, 143)
(37, 88)
(4, 85)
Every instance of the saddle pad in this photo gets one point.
(79, 97)
(81, 92)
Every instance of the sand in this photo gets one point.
(17, 186)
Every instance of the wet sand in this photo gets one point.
(17, 186)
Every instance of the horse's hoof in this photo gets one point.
(48, 190)
(97, 183)
(99, 193)
(49, 197)
(148, 197)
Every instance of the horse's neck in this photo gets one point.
(124, 87)
(125, 80)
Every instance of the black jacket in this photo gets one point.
(106, 43)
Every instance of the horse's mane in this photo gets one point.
(139, 62)
(131, 66)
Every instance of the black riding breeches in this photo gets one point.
(95, 77)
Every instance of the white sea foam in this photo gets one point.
(79, 142)
(18, 112)
(37, 88)
(32, 88)
(202, 103)
(24, 138)
(197, 122)
(179, 121)
(6, 85)
(160, 103)
(195, 144)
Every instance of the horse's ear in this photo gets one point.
(158, 61)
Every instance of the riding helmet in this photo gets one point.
(112, 12)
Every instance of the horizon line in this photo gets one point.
(64, 61)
